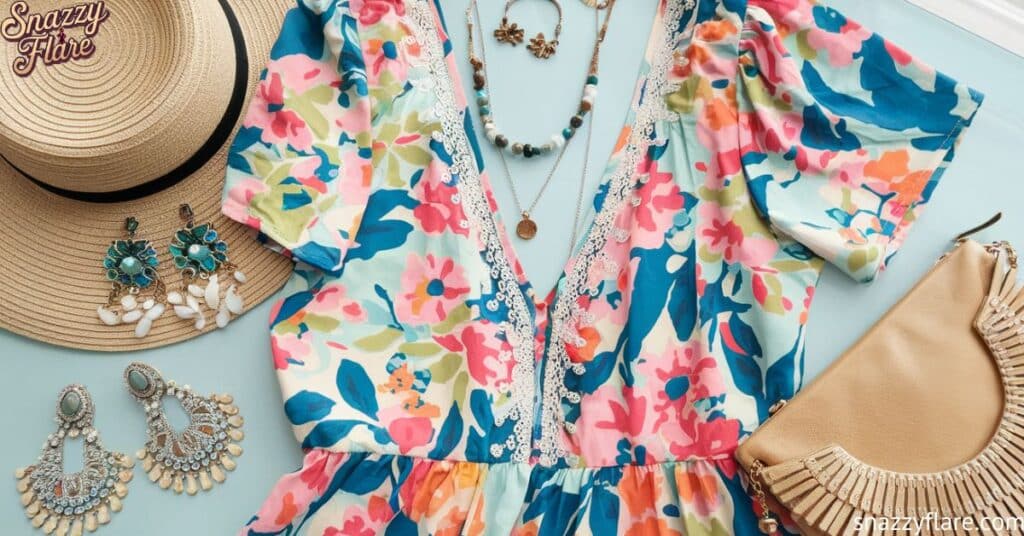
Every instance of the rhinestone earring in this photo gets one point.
(196, 457)
(68, 503)
(200, 255)
(136, 291)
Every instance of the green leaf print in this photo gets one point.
(379, 341)
(445, 369)
(419, 349)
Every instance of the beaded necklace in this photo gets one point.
(483, 101)
(527, 228)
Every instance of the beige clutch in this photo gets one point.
(921, 420)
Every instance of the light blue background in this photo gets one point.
(532, 100)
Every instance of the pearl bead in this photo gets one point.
(130, 266)
(198, 252)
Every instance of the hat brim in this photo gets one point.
(52, 248)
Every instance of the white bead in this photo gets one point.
(174, 298)
(128, 302)
(212, 293)
(108, 317)
(148, 304)
(234, 301)
(195, 290)
(132, 316)
(193, 303)
(184, 312)
(156, 311)
(240, 277)
(557, 141)
(200, 321)
(142, 328)
(223, 316)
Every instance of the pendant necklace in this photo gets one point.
(485, 110)
(527, 228)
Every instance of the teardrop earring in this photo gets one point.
(201, 255)
(195, 458)
(68, 503)
(136, 291)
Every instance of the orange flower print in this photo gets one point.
(650, 527)
(639, 490)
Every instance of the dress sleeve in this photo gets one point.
(299, 170)
(844, 136)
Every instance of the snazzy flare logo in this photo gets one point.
(42, 37)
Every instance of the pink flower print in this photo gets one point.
(595, 410)
(355, 524)
(331, 301)
(840, 46)
(484, 360)
(411, 432)
(288, 349)
(288, 77)
(319, 468)
(724, 237)
(721, 234)
(657, 202)
(278, 124)
(372, 11)
(438, 210)
(431, 288)
(383, 57)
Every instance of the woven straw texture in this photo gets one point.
(149, 97)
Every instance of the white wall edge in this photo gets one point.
(998, 21)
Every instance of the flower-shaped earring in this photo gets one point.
(136, 292)
(508, 32)
(70, 503)
(196, 457)
(201, 255)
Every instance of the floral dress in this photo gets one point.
(436, 391)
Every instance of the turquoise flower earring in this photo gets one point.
(201, 256)
(136, 292)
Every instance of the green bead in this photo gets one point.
(568, 132)
(592, 79)
(70, 404)
(130, 266)
(485, 110)
(137, 381)
(198, 252)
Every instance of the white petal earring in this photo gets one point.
(136, 292)
(201, 255)
(61, 503)
(198, 456)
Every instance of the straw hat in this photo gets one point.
(137, 128)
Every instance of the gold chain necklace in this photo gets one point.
(526, 229)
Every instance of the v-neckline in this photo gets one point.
(538, 390)
(612, 165)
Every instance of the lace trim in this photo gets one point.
(567, 314)
(520, 325)
(830, 488)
